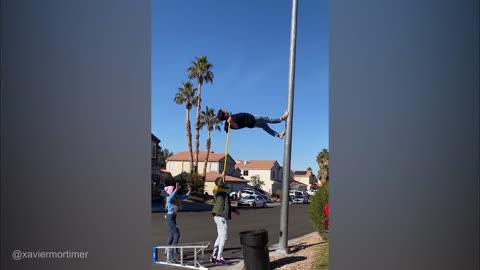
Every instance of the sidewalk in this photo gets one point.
(239, 264)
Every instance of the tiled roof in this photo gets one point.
(255, 164)
(292, 183)
(185, 156)
(302, 173)
(296, 183)
(211, 176)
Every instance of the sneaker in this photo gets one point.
(220, 262)
(213, 259)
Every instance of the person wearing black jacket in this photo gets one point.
(247, 120)
(221, 212)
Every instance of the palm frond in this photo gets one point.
(195, 101)
(201, 70)
(209, 118)
(179, 99)
(185, 94)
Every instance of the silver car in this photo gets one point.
(299, 199)
(252, 201)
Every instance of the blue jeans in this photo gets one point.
(263, 121)
(173, 232)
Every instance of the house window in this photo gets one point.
(214, 167)
(154, 150)
(245, 173)
(273, 175)
(171, 166)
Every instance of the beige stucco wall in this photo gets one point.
(306, 180)
(179, 167)
(265, 176)
(184, 166)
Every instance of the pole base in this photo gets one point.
(279, 251)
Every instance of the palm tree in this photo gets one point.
(322, 160)
(186, 95)
(200, 70)
(210, 120)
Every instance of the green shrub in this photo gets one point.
(192, 180)
(316, 209)
(195, 182)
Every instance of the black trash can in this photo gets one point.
(255, 249)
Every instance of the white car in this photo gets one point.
(246, 192)
(311, 192)
(299, 199)
(234, 195)
(252, 201)
(297, 193)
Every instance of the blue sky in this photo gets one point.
(248, 44)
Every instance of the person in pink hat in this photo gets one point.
(172, 205)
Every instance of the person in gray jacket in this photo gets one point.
(222, 212)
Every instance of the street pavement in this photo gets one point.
(196, 224)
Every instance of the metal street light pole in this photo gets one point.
(283, 241)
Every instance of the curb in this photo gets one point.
(272, 250)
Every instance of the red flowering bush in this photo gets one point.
(319, 210)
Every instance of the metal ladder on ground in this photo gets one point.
(198, 249)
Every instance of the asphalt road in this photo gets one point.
(198, 225)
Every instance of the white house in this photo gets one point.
(307, 178)
(268, 171)
(180, 162)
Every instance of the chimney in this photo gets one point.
(245, 162)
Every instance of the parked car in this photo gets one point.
(299, 198)
(297, 193)
(252, 201)
(262, 195)
(234, 195)
(244, 193)
(259, 191)
(311, 192)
